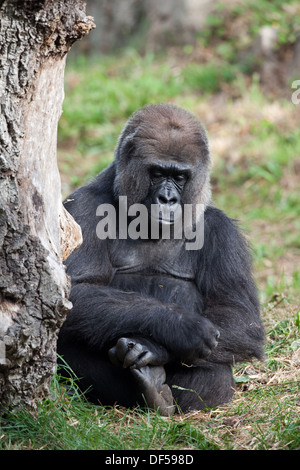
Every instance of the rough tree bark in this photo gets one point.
(35, 232)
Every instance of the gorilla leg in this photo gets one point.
(106, 384)
(204, 386)
(102, 382)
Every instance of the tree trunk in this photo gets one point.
(35, 232)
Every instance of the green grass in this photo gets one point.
(67, 421)
(263, 417)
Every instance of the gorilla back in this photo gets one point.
(153, 323)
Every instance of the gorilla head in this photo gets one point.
(166, 149)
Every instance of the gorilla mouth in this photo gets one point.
(163, 220)
(166, 215)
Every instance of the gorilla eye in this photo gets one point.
(180, 178)
(156, 174)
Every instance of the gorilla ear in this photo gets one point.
(125, 147)
(124, 150)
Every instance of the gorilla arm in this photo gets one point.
(101, 315)
(230, 296)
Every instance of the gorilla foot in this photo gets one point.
(138, 352)
(158, 395)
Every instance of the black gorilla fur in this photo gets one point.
(176, 320)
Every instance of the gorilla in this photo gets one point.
(157, 323)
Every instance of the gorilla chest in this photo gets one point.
(147, 257)
(160, 270)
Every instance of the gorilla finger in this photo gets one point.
(133, 355)
(141, 375)
(113, 357)
(150, 376)
(207, 347)
(214, 340)
(143, 360)
(123, 346)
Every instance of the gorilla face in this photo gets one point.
(162, 157)
(167, 182)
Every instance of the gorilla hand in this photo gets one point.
(135, 353)
(196, 339)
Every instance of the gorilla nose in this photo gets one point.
(166, 198)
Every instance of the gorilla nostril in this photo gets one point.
(173, 201)
(162, 199)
